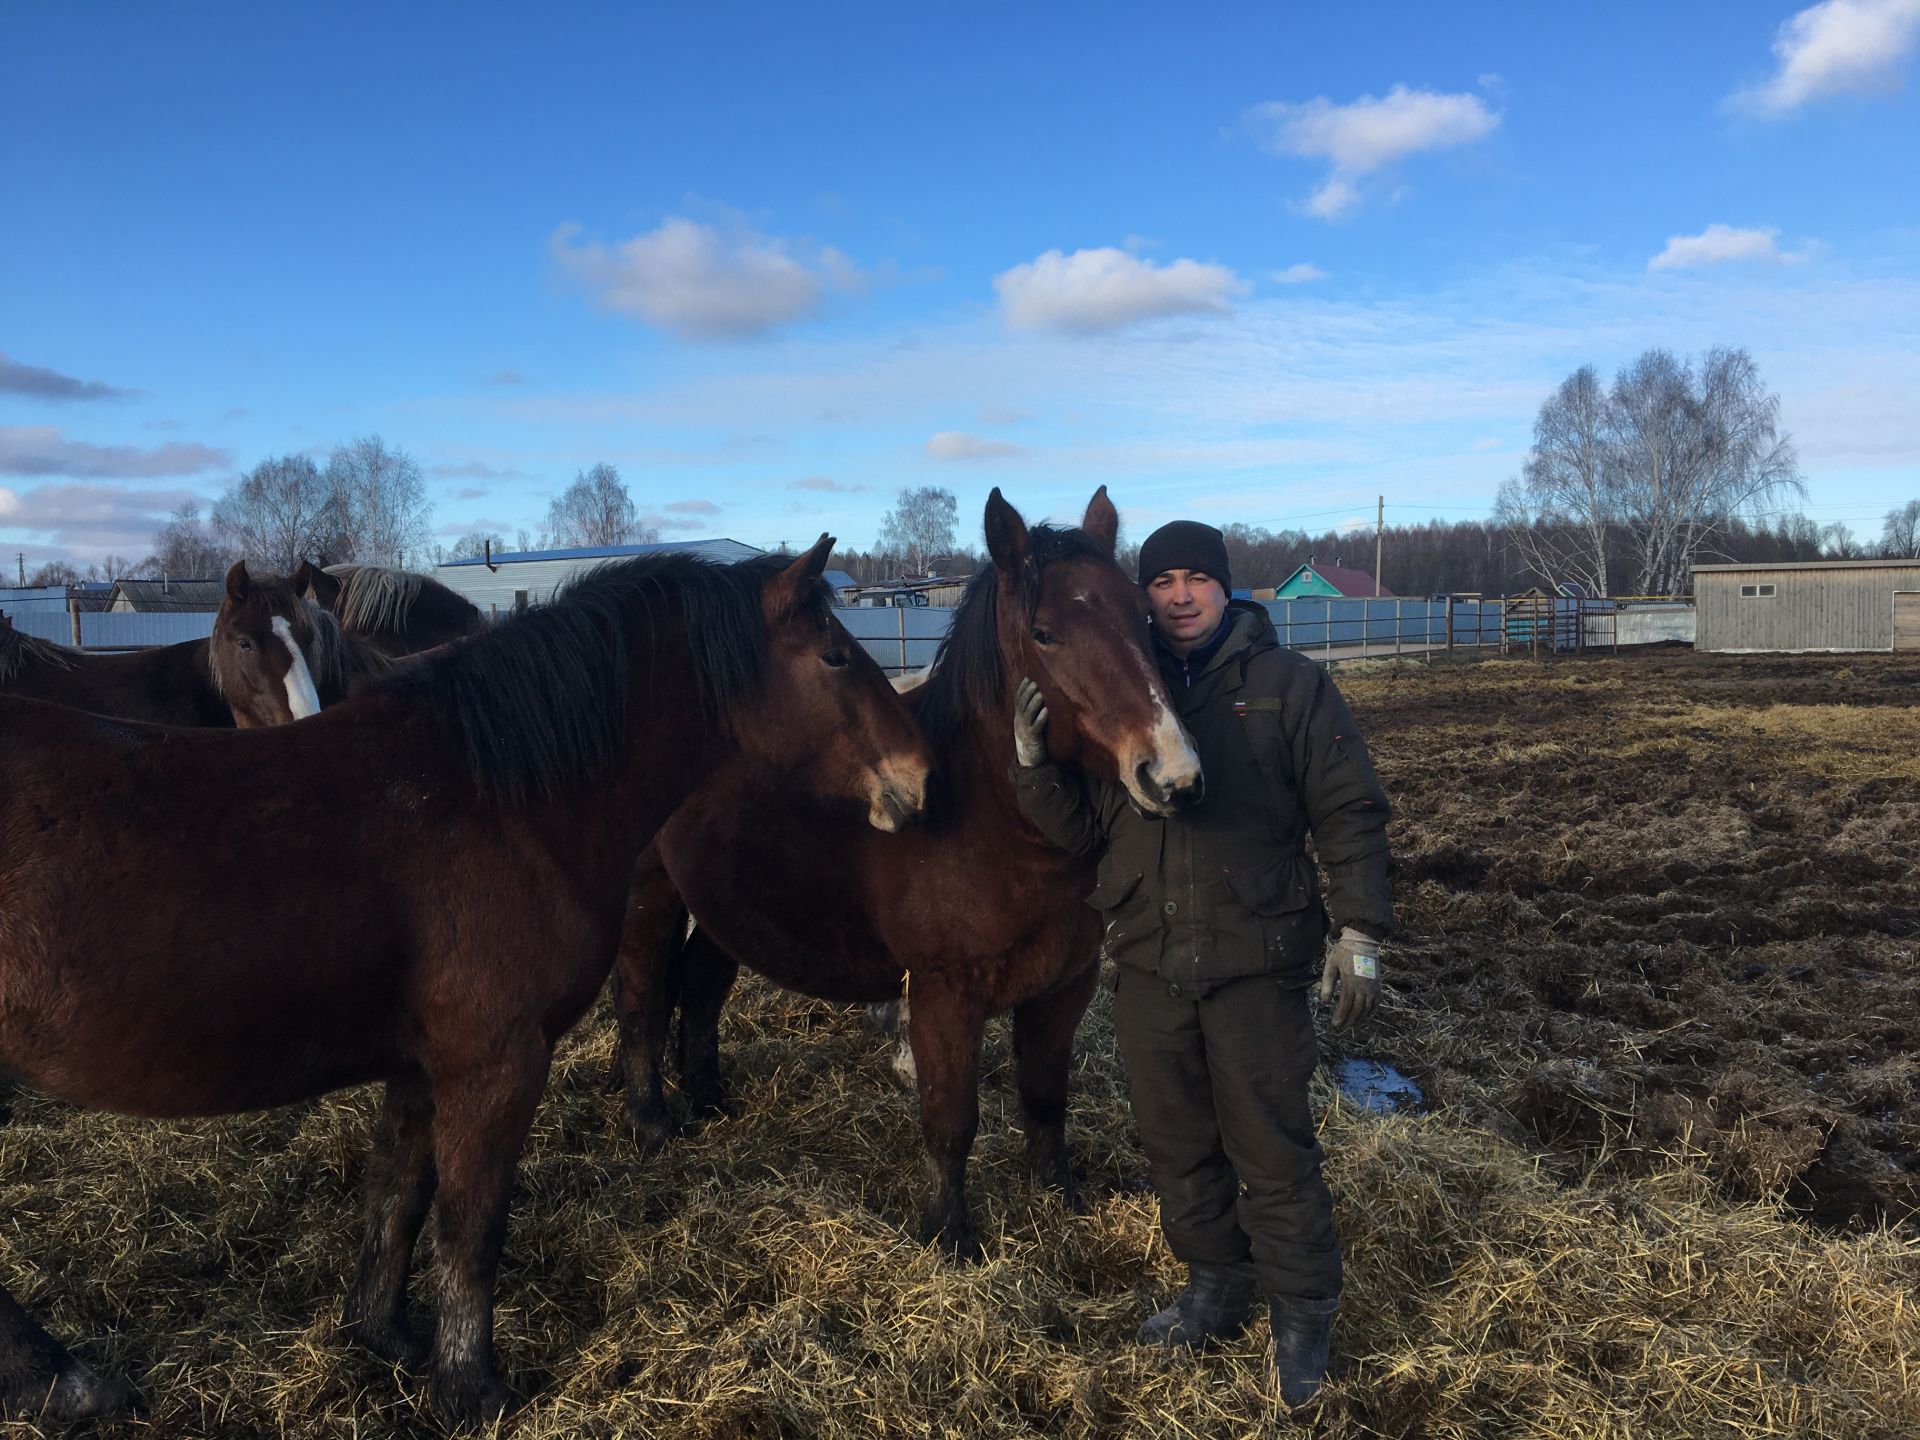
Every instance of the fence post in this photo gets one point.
(1396, 628)
(73, 618)
(900, 614)
(1449, 624)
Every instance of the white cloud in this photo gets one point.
(1092, 290)
(1299, 275)
(702, 283)
(1368, 135)
(958, 445)
(693, 507)
(92, 519)
(40, 450)
(1486, 443)
(1718, 244)
(826, 484)
(1833, 48)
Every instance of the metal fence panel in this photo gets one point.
(43, 623)
(127, 630)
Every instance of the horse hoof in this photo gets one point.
(472, 1400)
(394, 1343)
(652, 1132)
(79, 1394)
(956, 1241)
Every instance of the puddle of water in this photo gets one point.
(1375, 1085)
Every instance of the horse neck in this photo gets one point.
(673, 744)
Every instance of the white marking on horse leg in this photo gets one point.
(302, 699)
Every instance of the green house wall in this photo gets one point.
(1304, 581)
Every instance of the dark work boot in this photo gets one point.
(1213, 1306)
(1302, 1344)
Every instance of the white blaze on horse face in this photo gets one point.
(302, 699)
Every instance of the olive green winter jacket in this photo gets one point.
(1226, 888)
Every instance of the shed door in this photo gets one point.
(1906, 619)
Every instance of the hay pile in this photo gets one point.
(757, 1279)
(1554, 1271)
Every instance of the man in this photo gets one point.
(1216, 922)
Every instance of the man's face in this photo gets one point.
(1188, 606)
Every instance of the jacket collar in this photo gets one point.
(1218, 664)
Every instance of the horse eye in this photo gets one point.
(1043, 637)
(836, 658)
(246, 644)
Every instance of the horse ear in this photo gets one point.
(1006, 534)
(323, 587)
(1102, 521)
(302, 578)
(793, 586)
(239, 582)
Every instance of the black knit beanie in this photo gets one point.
(1185, 545)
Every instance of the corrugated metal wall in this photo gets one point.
(1823, 609)
(115, 629)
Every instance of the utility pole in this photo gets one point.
(20, 559)
(1379, 530)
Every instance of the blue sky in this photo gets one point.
(777, 263)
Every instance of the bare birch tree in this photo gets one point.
(1562, 511)
(1657, 471)
(382, 499)
(279, 513)
(1900, 538)
(919, 528)
(596, 510)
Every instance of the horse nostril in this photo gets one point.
(1150, 787)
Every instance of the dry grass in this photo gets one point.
(757, 1279)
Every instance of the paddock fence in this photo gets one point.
(906, 638)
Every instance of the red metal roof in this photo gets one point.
(1355, 584)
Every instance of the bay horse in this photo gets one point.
(972, 913)
(167, 685)
(278, 656)
(424, 885)
(400, 612)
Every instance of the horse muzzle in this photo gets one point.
(896, 800)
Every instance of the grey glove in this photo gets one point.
(1354, 960)
(1029, 725)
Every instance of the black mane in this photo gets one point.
(19, 649)
(969, 676)
(540, 699)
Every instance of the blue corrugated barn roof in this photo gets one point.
(723, 551)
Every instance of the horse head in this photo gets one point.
(263, 639)
(826, 709)
(1074, 621)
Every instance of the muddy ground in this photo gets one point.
(1656, 978)
(1667, 902)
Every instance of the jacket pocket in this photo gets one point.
(1109, 897)
(1278, 885)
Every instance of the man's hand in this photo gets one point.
(1354, 959)
(1029, 725)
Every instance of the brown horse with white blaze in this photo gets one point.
(278, 656)
(443, 864)
(973, 909)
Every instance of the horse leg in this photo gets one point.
(481, 1118)
(39, 1377)
(890, 1018)
(646, 981)
(399, 1188)
(945, 1029)
(707, 980)
(1043, 1029)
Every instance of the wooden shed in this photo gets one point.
(1824, 605)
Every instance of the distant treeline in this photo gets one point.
(1434, 558)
